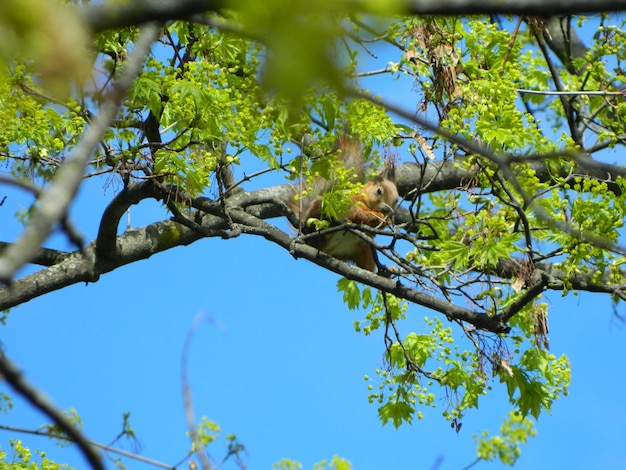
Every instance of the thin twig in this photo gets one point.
(107, 448)
(25, 185)
(570, 93)
(188, 402)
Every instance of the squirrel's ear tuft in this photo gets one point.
(389, 170)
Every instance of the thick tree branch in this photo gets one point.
(134, 245)
(140, 244)
(420, 178)
(557, 279)
(115, 251)
(512, 7)
(437, 176)
(54, 201)
(107, 232)
(109, 15)
(253, 225)
(44, 257)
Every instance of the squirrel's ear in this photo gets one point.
(389, 171)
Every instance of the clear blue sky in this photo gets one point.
(276, 362)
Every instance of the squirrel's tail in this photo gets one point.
(306, 203)
(350, 153)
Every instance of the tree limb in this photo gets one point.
(44, 257)
(564, 41)
(39, 401)
(143, 243)
(299, 250)
(112, 15)
(54, 201)
(115, 251)
(107, 232)
(107, 448)
(511, 7)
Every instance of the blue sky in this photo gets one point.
(276, 361)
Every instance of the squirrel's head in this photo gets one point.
(381, 193)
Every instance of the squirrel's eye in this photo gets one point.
(379, 191)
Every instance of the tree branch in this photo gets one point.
(511, 7)
(143, 243)
(255, 226)
(115, 251)
(39, 401)
(444, 175)
(564, 41)
(557, 279)
(107, 448)
(132, 246)
(44, 257)
(55, 200)
(112, 15)
(107, 231)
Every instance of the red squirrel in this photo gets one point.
(371, 206)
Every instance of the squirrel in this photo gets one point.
(371, 206)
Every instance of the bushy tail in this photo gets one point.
(305, 202)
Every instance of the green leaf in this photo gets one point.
(397, 412)
(456, 252)
(351, 293)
